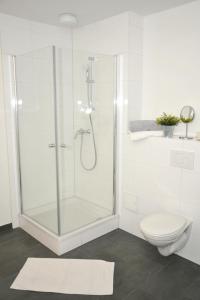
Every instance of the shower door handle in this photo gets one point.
(63, 146)
(52, 145)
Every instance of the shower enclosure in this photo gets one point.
(66, 141)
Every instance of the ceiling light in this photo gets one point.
(68, 19)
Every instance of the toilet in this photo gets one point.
(168, 232)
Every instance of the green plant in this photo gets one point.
(167, 120)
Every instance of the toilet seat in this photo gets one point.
(163, 226)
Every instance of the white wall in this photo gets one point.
(109, 36)
(5, 211)
(171, 80)
(19, 36)
(172, 62)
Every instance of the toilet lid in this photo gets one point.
(162, 224)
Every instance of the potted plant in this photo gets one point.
(168, 123)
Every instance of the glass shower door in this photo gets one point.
(37, 136)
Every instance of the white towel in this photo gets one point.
(141, 135)
(67, 276)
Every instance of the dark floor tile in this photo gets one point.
(126, 245)
(139, 295)
(142, 295)
(15, 251)
(141, 273)
(8, 294)
(14, 234)
(132, 274)
(40, 251)
(173, 280)
(6, 228)
(15, 244)
(131, 268)
(193, 290)
(11, 266)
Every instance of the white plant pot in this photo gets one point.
(168, 131)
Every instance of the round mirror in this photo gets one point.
(187, 114)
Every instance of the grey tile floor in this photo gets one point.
(140, 272)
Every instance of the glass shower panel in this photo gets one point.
(65, 121)
(36, 130)
(92, 142)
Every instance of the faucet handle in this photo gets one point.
(81, 131)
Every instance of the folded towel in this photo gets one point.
(141, 135)
(144, 125)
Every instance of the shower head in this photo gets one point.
(88, 75)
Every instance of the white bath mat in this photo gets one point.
(67, 276)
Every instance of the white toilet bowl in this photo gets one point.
(168, 232)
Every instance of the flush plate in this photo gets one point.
(182, 159)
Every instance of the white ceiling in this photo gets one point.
(87, 11)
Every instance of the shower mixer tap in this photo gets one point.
(81, 131)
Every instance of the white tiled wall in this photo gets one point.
(109, 36)
(133, 61)
(172, 63)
